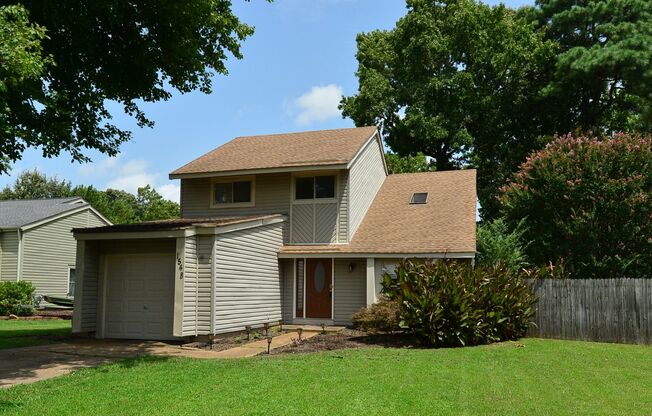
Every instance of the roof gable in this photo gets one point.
(20, 213)
(281, 151)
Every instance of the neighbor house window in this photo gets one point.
(315, 187)
(236, 192)
(72, 278)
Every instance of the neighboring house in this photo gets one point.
(296, 227)
(37, 244)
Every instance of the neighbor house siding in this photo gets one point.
(365, 179)
(49, 250)
(9, 255)
(349, 292)
(287, 288)
(247, 278)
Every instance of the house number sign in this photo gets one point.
(180, 266)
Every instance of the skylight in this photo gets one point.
(419, 198)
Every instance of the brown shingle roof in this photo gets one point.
(445, 224)
(312, 148)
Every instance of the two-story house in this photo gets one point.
(296, 227)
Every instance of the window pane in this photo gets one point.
(223, 193)
(71, 284)
(304, 188)
(325, 186)
(242, 191)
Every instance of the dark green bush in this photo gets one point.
(498, 244)
(16, 298)
(450, 304)
(382, 316)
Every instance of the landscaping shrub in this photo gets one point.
(588, 201)
(16, 298)
(451, 304)
(498, 244)
(382, 316)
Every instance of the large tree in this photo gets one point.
(470, 84)
(77, 55)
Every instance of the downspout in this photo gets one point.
(19, 266)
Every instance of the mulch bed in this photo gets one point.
(43, 314)
(232, 341)
(348, 338)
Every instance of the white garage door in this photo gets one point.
(139, 296)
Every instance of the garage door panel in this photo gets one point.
(140, 296)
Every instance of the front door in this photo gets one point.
(319, 288)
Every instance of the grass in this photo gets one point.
(22, 333)
(545, 377)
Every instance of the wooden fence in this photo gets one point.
(607, 310)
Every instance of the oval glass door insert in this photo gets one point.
(319, 278)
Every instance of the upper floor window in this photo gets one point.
(315, 187)
(233, 192)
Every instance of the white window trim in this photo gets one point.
(314, 200)
(68, 285)
(231, 179)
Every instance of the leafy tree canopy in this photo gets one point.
(68, 58)
(117, 206)
(586, 203)
(470, 84)
(407, 164)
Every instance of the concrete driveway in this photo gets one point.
(31, 364)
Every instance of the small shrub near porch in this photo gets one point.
(16, 298)
(451, 304)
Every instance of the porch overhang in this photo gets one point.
(347, 251)
(182, 227)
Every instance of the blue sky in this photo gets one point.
(296, 66)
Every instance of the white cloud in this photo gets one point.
(318, 104)
(129, 175)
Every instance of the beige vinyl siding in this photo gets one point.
(247, 278)
(49, 250)
(287, 288)
(343, 208)
(8, 255)
(303, 220)
(204, 283)
(272, 196)
(365, 179)
(190, 287)
(90, 287)
(349, 291)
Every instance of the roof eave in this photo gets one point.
(288, 169)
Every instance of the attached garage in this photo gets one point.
(139, 296)
(179, 278)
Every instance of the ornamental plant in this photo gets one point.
(16, 298)
(451, 304)
(586, 201)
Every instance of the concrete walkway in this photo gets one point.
(31, 364)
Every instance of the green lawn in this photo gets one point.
(19, 333)
(544, 377)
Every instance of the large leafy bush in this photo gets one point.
(16, 298)
(497, 243)
(450, 304)
(587, 201)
